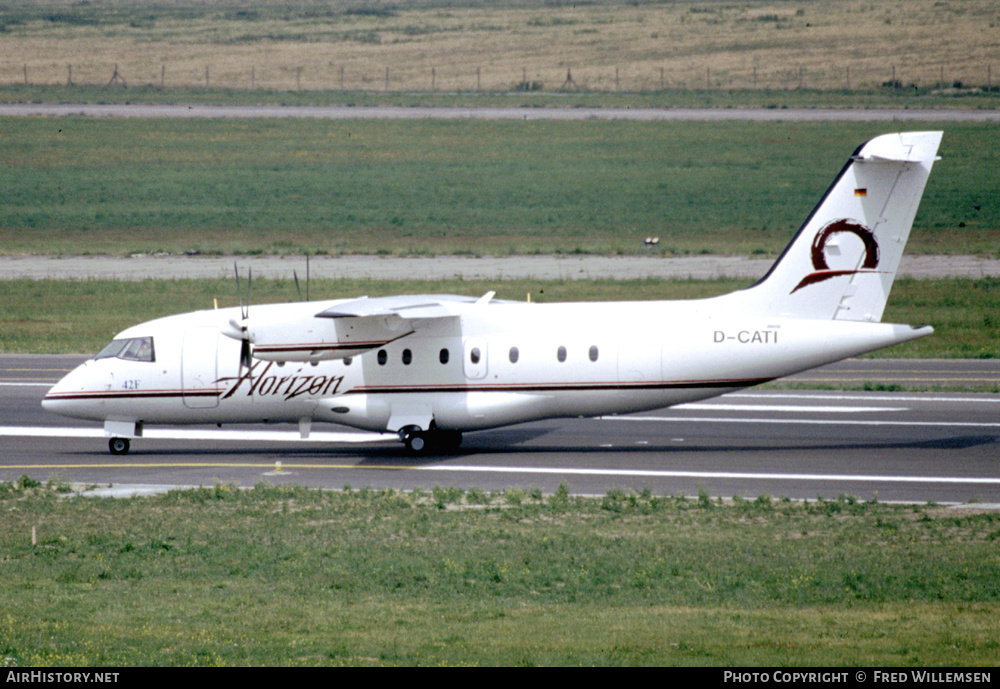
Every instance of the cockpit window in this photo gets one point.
(134, 349)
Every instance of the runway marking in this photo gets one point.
(890, 380)
(819, 422)
(550, 471)
(649, 473)
(868, 397)
(291, 436)
(784, 408)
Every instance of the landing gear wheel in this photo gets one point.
(416, 442)
(119, 446)
(420, 442)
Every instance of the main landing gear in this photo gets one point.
(420, 442)
(119, 446)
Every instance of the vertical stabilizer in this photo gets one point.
(843, 260)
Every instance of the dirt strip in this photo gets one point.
(141, 267)
(493, 113)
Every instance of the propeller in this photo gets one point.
(241, 327)
(296, 276)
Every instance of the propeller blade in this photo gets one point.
(245, 357)
(239, 291)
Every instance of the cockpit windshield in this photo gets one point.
(132, 349)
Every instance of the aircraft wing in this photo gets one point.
(405, 306)
(349, 328)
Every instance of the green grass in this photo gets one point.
(69, 316)
(362, 577)
(81, 185)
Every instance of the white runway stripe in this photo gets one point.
(815, 422)
(644, 473)
(699, 406)
(200, 434)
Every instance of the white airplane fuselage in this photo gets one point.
(431, 366)
(534, 361)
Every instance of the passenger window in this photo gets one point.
(593, 352)
(348, 360)
(474, 355)
(561, 354)
(382, 357)
(514, 355)
(443, 356)
(407, 357)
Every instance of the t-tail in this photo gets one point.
(844, 258)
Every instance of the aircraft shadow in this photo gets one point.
(523, 441)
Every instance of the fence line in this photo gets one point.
(433, 78)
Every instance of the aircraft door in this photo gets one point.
(475, 358)
(639, 361)
(200, 368)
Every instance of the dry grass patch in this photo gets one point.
(611, 46)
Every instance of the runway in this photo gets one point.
(890, 446)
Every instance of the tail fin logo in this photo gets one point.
(823, 271)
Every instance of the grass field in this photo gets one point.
(295, 576)
(60, 316)
(81, 185)
(470, 45)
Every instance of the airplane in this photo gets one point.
(432, 367)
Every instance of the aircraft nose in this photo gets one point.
(69, 396)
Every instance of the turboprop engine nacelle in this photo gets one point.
(296, 337)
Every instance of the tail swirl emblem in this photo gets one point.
(822, 268)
